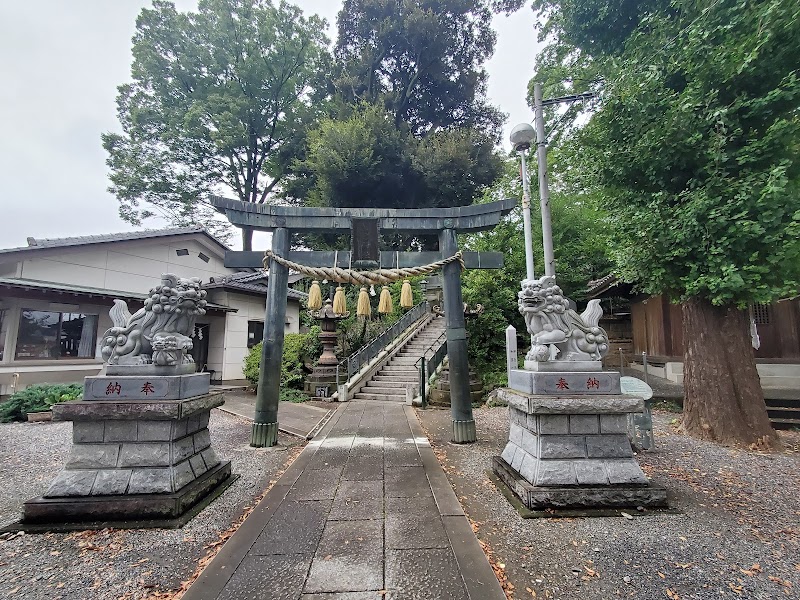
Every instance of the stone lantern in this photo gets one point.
(322, 381)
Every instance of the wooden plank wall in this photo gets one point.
(657, 330)
(780, 338)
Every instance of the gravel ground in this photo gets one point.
(737, 533)
(118, 564)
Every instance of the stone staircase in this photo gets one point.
(784, 412)
(390, 382)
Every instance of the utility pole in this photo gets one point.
(544, 190)
(541, 159)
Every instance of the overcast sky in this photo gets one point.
(60, 65)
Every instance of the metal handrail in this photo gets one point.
(356, 361)
(426, 366)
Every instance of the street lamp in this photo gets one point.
(521, 137)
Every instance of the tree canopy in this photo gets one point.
(410, 125)
(220, 101)
(422, 59)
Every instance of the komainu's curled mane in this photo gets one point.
(160, 332)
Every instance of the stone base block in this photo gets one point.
(572, 452)
(569, 404)
(133, 460)
(130, 507)
(601, 496)
(554, 366)
(320, 384)
(564, 383)
(147, 388)
(133, 410)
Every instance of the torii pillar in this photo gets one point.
(285, 220)
(460, 400)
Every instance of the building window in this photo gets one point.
(51, 335)
(761, 314)
(182, 252)
(255, 333)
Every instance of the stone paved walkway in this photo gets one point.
(365, 512)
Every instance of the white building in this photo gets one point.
(55, 295)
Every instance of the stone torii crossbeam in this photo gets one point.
(365, 225)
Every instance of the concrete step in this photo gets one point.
(384, 397)
(776, 381)
(404, 360)
(783, 403)
(785, 423)
(778, 370)
(383, 391)
(399, 368)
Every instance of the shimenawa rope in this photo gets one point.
(379, 277)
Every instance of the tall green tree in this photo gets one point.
(695, 149)
(410, 125)
(220, 101)
(422, 59)
(365, 160)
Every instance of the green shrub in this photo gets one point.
(37, 398)
(298, 348)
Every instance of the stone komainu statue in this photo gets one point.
(549, 320)
(160, 333)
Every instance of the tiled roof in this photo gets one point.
(82, 290)
(598, 285)
(253, 283)
(65, 242)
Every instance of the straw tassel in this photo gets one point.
(385, 304)
(314, 296)
(339, 301)
(406, 295)
(364, 309)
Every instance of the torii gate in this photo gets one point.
(366, 224)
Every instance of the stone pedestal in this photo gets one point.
(440, 394)
(146, 387)
(132, 460)
(572, 451)
(321, 383)
(580, 382)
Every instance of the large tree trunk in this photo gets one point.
(247, 238)
(724, 400)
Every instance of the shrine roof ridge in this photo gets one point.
(475, 217)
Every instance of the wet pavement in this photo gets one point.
(365, 512)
